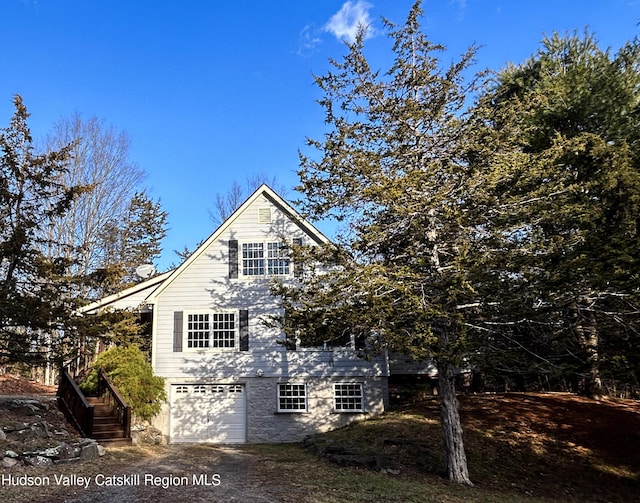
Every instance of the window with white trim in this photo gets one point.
(211, 330)
(348, 397)
(253, 259)
(265, 259)
(292, 397)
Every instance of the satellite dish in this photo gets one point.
(145, 271)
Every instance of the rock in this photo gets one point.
(149, 436)
(3, 435)
(101, 450)
(7, 462)
(52, 452)
(16, 427)
(89, 451)
(24, 408)
(38, 461)
(66, 451)
(41, 430)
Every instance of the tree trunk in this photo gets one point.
(593, 385)
(586, 329)
(455, 457)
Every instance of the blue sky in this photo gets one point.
(211, 91)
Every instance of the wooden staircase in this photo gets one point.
(105, 418)
(107, 426)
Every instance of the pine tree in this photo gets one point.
(131, 241)
(560, 153)
(36, 303)
(391, 168)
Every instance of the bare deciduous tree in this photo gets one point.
(100, 159)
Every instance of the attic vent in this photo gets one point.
(264, 215)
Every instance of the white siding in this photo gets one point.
(203, 284)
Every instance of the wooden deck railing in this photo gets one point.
(73, 400)
(110, 396)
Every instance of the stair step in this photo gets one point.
(116, 442)
(103, 413)
(112, 433)
(106, 424)
(107, 429)
(105, 419)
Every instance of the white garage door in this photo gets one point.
(212, 413)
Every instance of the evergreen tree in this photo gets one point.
(132, 375)
(560, 156)
(391, 168)
(36, 303)
(131, 241)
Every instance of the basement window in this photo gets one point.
(292, 397)
(348, 397)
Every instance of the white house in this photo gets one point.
(228, 380)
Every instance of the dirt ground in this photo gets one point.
(14, 385)
(608, 429)
(562, 439)
(191, 473)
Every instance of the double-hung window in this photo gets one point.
(348, 397)
(292, 397)
(211, 330)
(253, 259)
(265, 259)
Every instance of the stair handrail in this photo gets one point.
(110, 394)
(79, 410)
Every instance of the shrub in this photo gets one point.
(129, 371)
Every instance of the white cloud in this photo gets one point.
(308, 41)
(345, 23)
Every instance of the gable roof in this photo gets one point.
(159, 283)
(263, 191)
(149, 284)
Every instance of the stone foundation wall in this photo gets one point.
(265, 424)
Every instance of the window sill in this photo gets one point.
(210, 350)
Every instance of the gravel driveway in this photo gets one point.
(221, 474)
(176, 473)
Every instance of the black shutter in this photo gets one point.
(177, 331)
(244, 330)
(297, 265)
(233, 258)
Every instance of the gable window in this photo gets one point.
(260, 259)
(292, 397)
(348, 397)
(211, 330)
